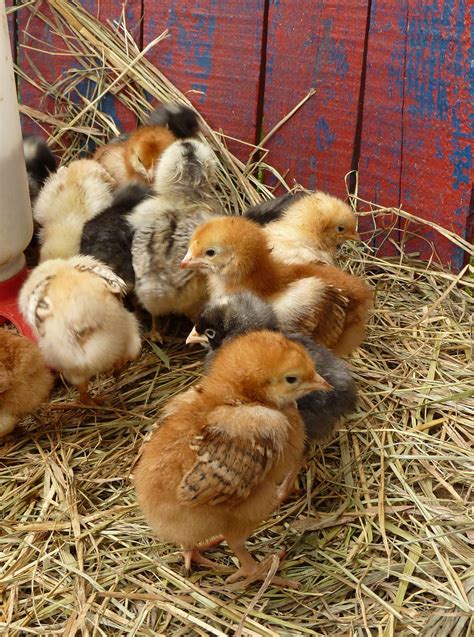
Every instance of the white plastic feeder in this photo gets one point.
(16, 221)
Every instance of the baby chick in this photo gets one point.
(215, 463)
(230, 316)
(108, 236)
(69, 198)
(163, 225)
(40, 163)
(75, 308)
(318, 300)
(25, 381)
(310, 227)
(135, 158)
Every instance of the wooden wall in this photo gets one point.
(392, 100)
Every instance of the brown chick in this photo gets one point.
(215, 464)
(319, 300)
(312, 229)
(136, 157)
(25, 381)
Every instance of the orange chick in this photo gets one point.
(312, 229)
(25, 381)
(319, 300)
(215, 464)
(135, 158)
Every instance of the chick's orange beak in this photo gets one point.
(353, 235)
(195, 337)
(318, 384)
(190, 262)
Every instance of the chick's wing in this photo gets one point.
(234, 454)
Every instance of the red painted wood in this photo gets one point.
(213, 56)
(314, 44)
(437, 165)
(380, 160)
(34, 33)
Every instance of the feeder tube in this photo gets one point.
(16, 221)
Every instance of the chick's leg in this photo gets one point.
(155, 334)
(250, 570)
(86, 398)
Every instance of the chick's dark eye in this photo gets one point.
(340, 228)
(291, 380)
(210, 333)
(210, 252)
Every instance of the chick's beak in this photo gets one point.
(195, 337)
(353, 235)
(318, 384)
(190, 262)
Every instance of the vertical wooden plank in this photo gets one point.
(33, 32)
(437, 168)
(380, 161)
(213, 55)
(314, 44)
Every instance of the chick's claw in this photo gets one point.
(248, 574)
(194, 555)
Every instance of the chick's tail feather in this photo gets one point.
(180, 119)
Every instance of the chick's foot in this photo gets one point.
(252, 571)
(194, 555)
(87, 399)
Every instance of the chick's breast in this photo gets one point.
(157, 250)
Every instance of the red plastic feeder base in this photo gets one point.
(9, 310)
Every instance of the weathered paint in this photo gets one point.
(314, 44)
(437, 163)
(213, 55)
(53, 67)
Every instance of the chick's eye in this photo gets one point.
(340, 228)
(210, 252)
(210, 333)
(291, 380)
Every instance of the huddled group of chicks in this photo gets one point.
(139, 226)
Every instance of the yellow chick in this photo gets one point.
(75, 308)
(309, 227)
(70, 197)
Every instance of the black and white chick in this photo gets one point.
(273, 209)
(233, 315)
(185, 198)
(40, 163)
(109, 235)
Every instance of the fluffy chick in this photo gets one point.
(40, 163)
(230, 316)
(75, 308)
(69, 198)
(163, 225)
(215, 463)
(310, 228)
(318, 300)
(25, 381)
(181, 120)
(108, 236)
(134, 159)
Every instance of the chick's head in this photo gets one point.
(266, 367)
(145, 147)
(230, 316)
(229, 246)
(326, 217)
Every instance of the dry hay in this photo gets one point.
(380, 537)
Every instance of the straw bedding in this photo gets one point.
(381, 534)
